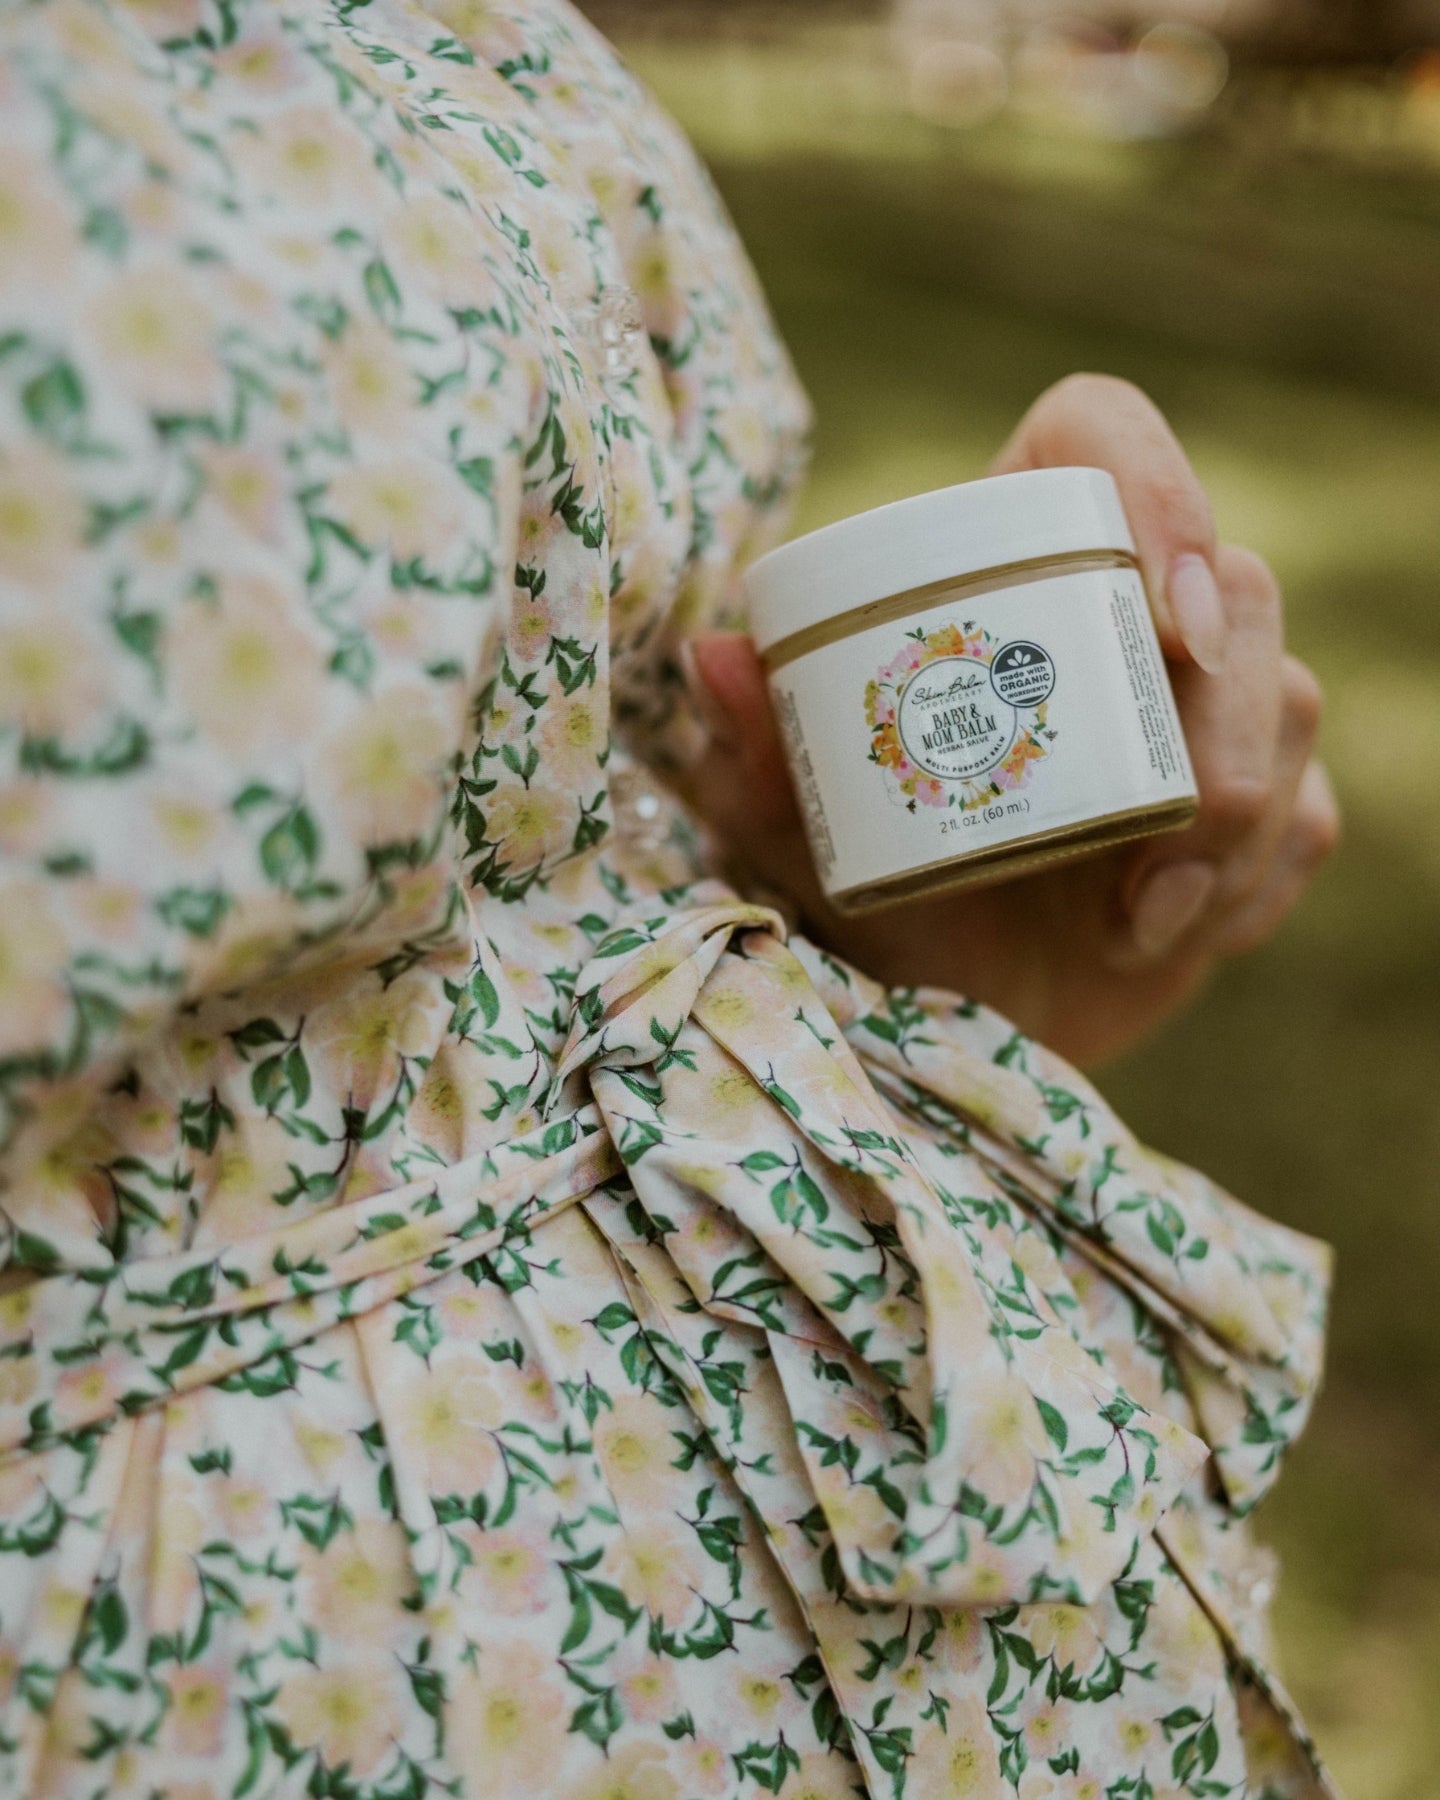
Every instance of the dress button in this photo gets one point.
(615, 327)
(642, 820)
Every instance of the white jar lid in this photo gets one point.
(948, 534)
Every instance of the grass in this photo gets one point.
(1283, 312)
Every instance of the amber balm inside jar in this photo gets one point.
(969, 685)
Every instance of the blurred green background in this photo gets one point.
(938, 246)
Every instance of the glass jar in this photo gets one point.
(969, 685)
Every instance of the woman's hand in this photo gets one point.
(1091, 955)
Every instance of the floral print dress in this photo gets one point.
(490, 1313)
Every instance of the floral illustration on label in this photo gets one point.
(957, 719)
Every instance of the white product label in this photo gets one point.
(981, 721)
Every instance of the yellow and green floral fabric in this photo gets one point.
(488, 1313)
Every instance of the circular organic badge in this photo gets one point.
(952, 722)
(1022, 674)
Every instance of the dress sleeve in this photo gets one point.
(707, 426)
(377, 408)
(254, 538)
(1241, 1301)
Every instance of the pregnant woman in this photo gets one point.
(491, 1310)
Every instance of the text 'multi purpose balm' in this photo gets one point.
(969, 685)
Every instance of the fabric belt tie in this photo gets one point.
(957, 1447)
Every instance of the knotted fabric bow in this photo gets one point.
(959, 1446)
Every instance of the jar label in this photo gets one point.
(939, 704)
(945, 727)
(980, 721)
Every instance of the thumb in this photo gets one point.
(741, 783)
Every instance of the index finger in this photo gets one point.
(1103, 422)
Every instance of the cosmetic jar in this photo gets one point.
(969, 685)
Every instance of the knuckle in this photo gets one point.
(1235, 804)
(1321, 826)
(1247, 574)
(1257, 928)
(1303, 696)
(1179, 506)
(1160, 479)
(1114, 402)
(1088, 385)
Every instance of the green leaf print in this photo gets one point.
(110, 1619)
(196, 911)
(1054, 1422)
(256, 1034)
(478, 474)
(140, 633)
(289, 848)
(449, 49)
(125, 750)
(201, 1121)
(317, 1517)
(280, 1079)
(54, 404)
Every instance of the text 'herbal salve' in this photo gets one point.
(969, 684)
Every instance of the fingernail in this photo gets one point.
(1169, 903)
(716, 719)
(1199, 616)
